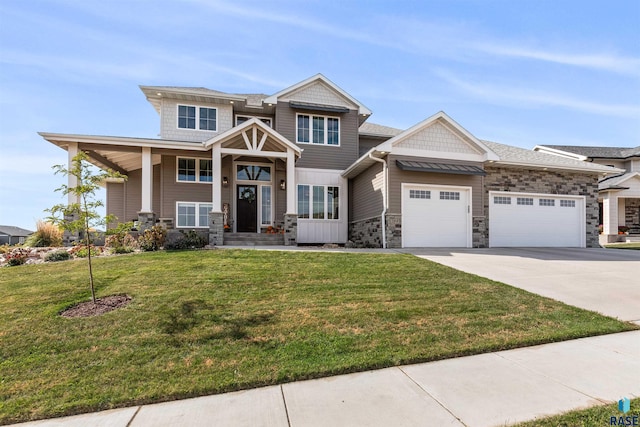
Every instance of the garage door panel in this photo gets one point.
(541, 220)
(435, 216)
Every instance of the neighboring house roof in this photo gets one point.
(516, 156)
(376, 130)
(10, 230)
(585, 152)
(616, 182)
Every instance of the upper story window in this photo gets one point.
(266, 120)
(207, 118)
(194, 170)
(313, 129)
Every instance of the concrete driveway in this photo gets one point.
(602, 280)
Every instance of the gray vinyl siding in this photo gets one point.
(367, 143)
(366, 200)
(397, 177)
(317, 156)
(279, 196)
(115, 201)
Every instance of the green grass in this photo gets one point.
(205, 322)
(597, 416)
(635, 246)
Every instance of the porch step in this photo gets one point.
(632, 238)
(253, 239)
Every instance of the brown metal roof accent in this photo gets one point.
(317, 107)
(408, 165)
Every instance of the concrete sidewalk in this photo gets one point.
(492, 389)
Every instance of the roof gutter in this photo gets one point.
(383, 215)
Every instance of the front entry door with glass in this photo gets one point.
(247, 206)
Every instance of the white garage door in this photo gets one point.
(436, 216)
(522, 219)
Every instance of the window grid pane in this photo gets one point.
(206, 173)
(203, 211)
(186, 117)
(318, 130)
(567, 203)
(303, 201)
(318, 202)
(527, 201)
(333, 131)
(449, 195)
(419, 194)
(208, 119)
(501, 200)
(266, 205)
(303, 128)
(186, 215)
(547, 202)
(186, 169)
(332, 203)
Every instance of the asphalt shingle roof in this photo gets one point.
(10, 230)
(598, 152)
(376, 129)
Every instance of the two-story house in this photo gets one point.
(619, 195)
(306, 161)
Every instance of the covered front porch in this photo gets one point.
(619, 201)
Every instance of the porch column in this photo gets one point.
(610, 216)
(216, 172)
(147, 181)
(291, 182)
(72, 181)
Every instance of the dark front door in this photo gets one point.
(247, 207)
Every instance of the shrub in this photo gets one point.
(5, 248)
(189, 240)
(17, 257)
(59, 255)
(46, 235)
(81, 251)
(152, 238)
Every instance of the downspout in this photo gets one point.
(384, 199)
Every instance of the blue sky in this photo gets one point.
(520, 72)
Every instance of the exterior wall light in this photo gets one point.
(225, 181)
(283, 184)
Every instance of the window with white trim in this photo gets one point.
(312, 129)
(546, 202)
(526, 201)
(449, 195)
(567, 203)
(242, 119)
(192, 214)
(194, 170)
(318, 202)
(207, 118)
(501, 200)
(419, 194)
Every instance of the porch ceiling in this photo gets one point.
(120, 161)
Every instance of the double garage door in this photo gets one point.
(440, 216)
(524, 219)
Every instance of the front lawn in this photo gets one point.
(597, 416)
(205, 322)
(635, 246)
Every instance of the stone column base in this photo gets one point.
(146, 220)
(216, 228)
(290, 229)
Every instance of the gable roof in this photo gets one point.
(10, 230)
(516, 156)
(362, 109)
(615, 182)
(586, 152)
(452, 126)
(376, 130)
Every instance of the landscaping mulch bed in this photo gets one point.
(101, 306)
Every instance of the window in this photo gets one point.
(253, 173)
(193, 214)
(265, 217)
(546, 202)
(241, 119)
(567, 203)
(208, 118)
(318, 202)
(419, 194)
(528, 201)
(318, 130)
(449, 195)
(194, 170)
(186, 117)
(501, 200)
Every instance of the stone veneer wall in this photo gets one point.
(479, 232)
(216, 228)
(537, 181)
(290, 229)
(367, 233)
(631, 212)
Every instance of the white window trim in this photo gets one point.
(197, 181)
(326, 202)
(271, 125)
(197, 107)
(326, 134)
(197, 206)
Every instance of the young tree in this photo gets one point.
(81, 216)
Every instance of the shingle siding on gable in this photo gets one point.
(322, 156)
(436, 138)
(169, 121)
(537, 181)
(318, 93)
